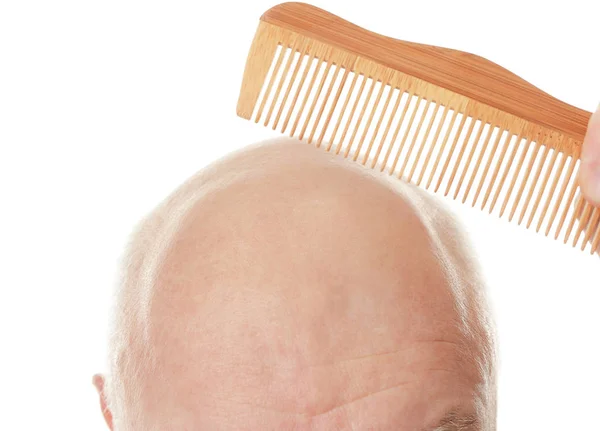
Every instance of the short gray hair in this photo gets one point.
(454, 421)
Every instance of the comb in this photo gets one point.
(448, 121)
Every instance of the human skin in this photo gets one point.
(286, 288)
(590, 161)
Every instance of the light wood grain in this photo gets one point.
(467, 74)
(378, 101)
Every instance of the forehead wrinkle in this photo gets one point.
(155, 269)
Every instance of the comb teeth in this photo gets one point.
(440, 140)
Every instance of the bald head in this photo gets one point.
(285, 288)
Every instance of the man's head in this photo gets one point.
(285, 288)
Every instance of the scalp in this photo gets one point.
(280, 271)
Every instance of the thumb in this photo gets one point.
(590, 161)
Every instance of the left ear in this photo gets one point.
(99, 382)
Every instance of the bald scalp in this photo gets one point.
(283, 287)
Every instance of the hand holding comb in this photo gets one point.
(446, 120)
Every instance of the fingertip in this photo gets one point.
(590, 161)
(590, 183)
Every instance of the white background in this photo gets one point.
(106, 106)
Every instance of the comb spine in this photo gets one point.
(488, 83)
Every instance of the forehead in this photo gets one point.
(306, 313)
(405, 390)
(257, 358)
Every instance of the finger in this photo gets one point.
(590, 161)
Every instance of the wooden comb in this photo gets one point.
(446, 120)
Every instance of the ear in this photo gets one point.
(99, 382)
